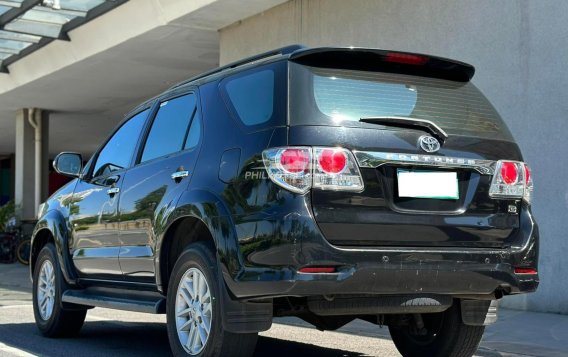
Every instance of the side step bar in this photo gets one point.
(120, 299)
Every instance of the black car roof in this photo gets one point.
(357, 58)
(361, 58)
(256, 59)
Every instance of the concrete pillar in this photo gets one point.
(25, 177)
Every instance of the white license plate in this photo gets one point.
(427, 184)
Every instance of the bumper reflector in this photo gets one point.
(317, 270)
(531, 271)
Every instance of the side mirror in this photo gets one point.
(68, 164)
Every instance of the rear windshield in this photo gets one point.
(337, 97)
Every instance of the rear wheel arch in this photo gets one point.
(209, 211)
(179, 235)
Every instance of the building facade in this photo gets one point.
(112, 62)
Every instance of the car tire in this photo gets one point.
(444, 335)
(23, 252)
(48, 286)
(193, 307)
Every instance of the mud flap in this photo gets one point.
(244, 316)
(479, 312)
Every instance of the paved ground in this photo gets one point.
(118, 333)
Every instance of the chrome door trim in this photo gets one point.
(113, 191)
(179, 175)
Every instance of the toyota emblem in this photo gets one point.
(429, 143)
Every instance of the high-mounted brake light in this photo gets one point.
(300, 168)
(405, 58)
(512, 179)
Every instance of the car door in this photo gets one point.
(151, 188)
(94, 206)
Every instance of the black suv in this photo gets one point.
(330, 184)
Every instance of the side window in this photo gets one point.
(169, 127)
(118, 151)
(252, 96)
(194, 132)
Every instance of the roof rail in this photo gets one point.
(279, 51)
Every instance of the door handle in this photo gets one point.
(113, 191)
(179, 175)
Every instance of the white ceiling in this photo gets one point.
(88, 88)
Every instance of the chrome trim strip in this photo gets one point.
(373, 159)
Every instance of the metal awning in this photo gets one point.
(28, 25)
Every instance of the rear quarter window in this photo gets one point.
(257, 97)
(253, 97)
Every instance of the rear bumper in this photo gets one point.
(458, 272)
(446, 273)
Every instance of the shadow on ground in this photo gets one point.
(113, 338)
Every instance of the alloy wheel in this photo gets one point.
(193, 311)
(46, 290)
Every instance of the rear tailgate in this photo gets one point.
(396, 207)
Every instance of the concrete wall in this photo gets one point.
(519, 48)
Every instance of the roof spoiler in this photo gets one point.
(366, 59)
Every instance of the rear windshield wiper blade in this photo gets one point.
(405, 122)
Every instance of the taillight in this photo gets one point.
(295, 160)
(300, 168)
(510, 172)
(528, 184)
(332, 161)
(336, 169)
(512, 179)
(289, 167)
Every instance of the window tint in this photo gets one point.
(118, 151)
(340, 97)
(252, 96)
(169, 127)
(355, 98)
(194, 132)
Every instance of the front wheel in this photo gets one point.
(436, 335)
(51, 318)
(194, 314)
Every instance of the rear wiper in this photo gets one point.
(405, 122)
